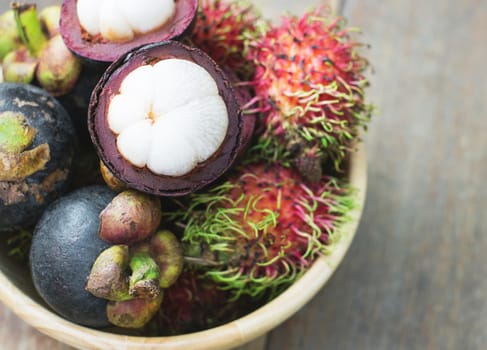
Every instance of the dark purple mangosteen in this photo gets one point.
(64, 247)
(37, 146)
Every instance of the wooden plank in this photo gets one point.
(415, 276)
(258, 344)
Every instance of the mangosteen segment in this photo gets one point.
(104, 30)
(168, 117)
(166, 120)
(116, 20)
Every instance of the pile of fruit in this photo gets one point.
(169, 166)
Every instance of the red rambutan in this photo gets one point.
(309, 83)
(260, 230)
(222, 29)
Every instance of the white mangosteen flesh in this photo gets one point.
(122, 20)
(168, 117)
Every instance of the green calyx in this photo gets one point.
(135, 313)
(41, 54)
(168, 254)
(49, 18)
(144, 281)
(19, 166)
(107, 278)
(58, 69)
(118, 275)
(29, 27)
(15, 133)
(19, 66)
(130, 279)
(17, 163)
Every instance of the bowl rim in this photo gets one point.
(227, 336)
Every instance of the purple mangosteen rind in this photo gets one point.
(65, 245)
(180, 25)
(237, 137)
(22, 201)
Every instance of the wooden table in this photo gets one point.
(415, 277)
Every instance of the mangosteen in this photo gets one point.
(64, 248)
(37, 146)
(103, 30)
(166, 120)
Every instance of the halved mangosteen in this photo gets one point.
(104, 30)
(166, 120)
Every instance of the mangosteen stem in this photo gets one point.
(199, 255)
(144, 281)
(201, 262)
(29, 27)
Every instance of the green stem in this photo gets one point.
(144, 281)
(29, 27)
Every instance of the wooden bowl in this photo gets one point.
(18, 293)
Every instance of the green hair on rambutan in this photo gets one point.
(309, 88)
(259, 231)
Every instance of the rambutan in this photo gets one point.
(309, 83)
(222, 30)
(260, 230)
(195, 303)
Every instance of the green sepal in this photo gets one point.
(144, 280)
(15, 133)
(29, 27)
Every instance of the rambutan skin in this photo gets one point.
(263, 227)
(222, 30)
(309, 83)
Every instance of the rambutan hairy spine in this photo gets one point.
(264, 227)
(309, 83)
(223, 28)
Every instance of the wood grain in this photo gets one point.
(415, 277)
